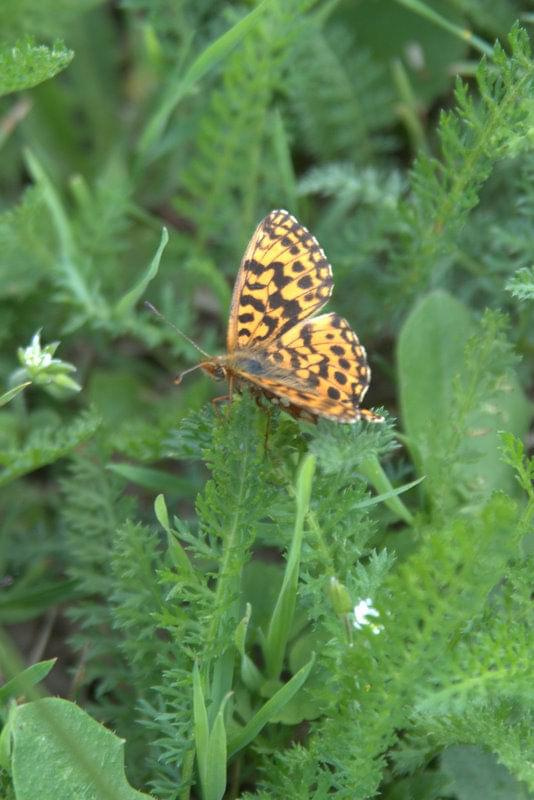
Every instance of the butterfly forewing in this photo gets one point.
(284, 277)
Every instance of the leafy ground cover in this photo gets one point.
(240, 604)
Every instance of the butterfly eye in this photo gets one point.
(219, 373)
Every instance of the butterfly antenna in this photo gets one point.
(178, 379)
(175, 328)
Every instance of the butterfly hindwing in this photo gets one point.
(317, 366)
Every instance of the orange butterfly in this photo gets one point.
(313, 367)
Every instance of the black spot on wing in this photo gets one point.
(290, 308)
(280, 279)
(305, 282)
(254, 266)
(250, 300)
(270, 323)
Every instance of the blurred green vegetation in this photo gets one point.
(141, 141)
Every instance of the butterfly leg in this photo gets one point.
(218, 401)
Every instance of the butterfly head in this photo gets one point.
(215, 367)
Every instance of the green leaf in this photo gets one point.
(162, 515)
(149, 478)
(26, 64)
(5, 741)
(128, 301)
(430, 351)
(282, 617)
(75, 286)
(177, 553)
(270, 710)
(9, 395)
(240, 633)
(26, 251)
(382, 498)
(201, 726)
(521, 285)
(479, 132)
(460, 31)
(513, 453)
(63, 751)
(282, 152)
(373, 471)
(474, 772)
(216, 770)
(28, 677)
(177, 89)
(29, 596)
(45, 446)
(451, 406)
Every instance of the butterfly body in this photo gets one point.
(314, 366)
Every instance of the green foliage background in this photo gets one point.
(214, 628)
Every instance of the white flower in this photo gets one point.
(32, 354)
(34, 357)
(362, 611)
(38, 366)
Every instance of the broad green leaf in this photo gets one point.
(430, 350)
(28, 677)
(25, 64)
(474, 772)
(431, 357)
(60, 749)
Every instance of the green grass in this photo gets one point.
(236, 604)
